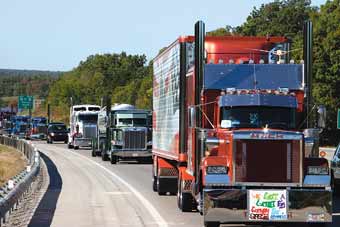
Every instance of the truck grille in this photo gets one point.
(23, 128)
(134, 140)
(90, 131)
(42, 129)
(275, 161)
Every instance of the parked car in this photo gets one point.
(335, 166)
(57, 132)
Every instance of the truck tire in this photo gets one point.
(69, 146)
(185, 201)
(211, 224)
(93, 153)
(113, 159)
(104, 156)
(76, 147)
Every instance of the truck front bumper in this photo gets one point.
(82, 142)
(131, 153)
(38, 136)
(232, 206)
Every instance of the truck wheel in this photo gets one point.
(93, 153)
(76, 147)
(104, 156)
(69, 146)
(185, 201)
(211, 224)
(113, 159)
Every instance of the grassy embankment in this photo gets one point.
(11, 163)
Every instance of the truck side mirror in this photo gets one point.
(322, 116)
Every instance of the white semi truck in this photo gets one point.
(83, 125)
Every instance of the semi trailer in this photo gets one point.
(234, 131)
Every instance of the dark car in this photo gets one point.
(57, 132)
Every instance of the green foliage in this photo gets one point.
(327, 64)
(228, 30)
(120, 76)
(278, 18)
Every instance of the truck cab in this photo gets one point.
(20, 126)
(38, 129)
(83, 125)
(130, 133)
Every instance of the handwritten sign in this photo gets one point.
(268, 205)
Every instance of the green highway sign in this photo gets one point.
(338, 123)
(25, 102)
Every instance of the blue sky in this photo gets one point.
(57, 35)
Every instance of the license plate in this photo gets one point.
(134, 155)
(269, 205)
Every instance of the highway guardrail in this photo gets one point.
(13, 191)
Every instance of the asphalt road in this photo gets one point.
(85, 191)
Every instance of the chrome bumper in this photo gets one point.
(82, 142)
(231, 206)
(131, 153)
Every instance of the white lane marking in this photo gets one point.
(117, 193)
(336, 214)
(152, 210)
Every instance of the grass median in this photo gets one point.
(12, 162)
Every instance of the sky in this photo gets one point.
(57, 34)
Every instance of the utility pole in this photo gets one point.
(48, 113)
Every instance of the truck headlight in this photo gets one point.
(217, 170)
(317, 170)
(52, 134)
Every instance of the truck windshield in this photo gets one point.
(258, 117)
(135, 122)
(88, 118)
(39, 121)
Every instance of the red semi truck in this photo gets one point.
(232, 130)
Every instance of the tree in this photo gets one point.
(327, 64)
